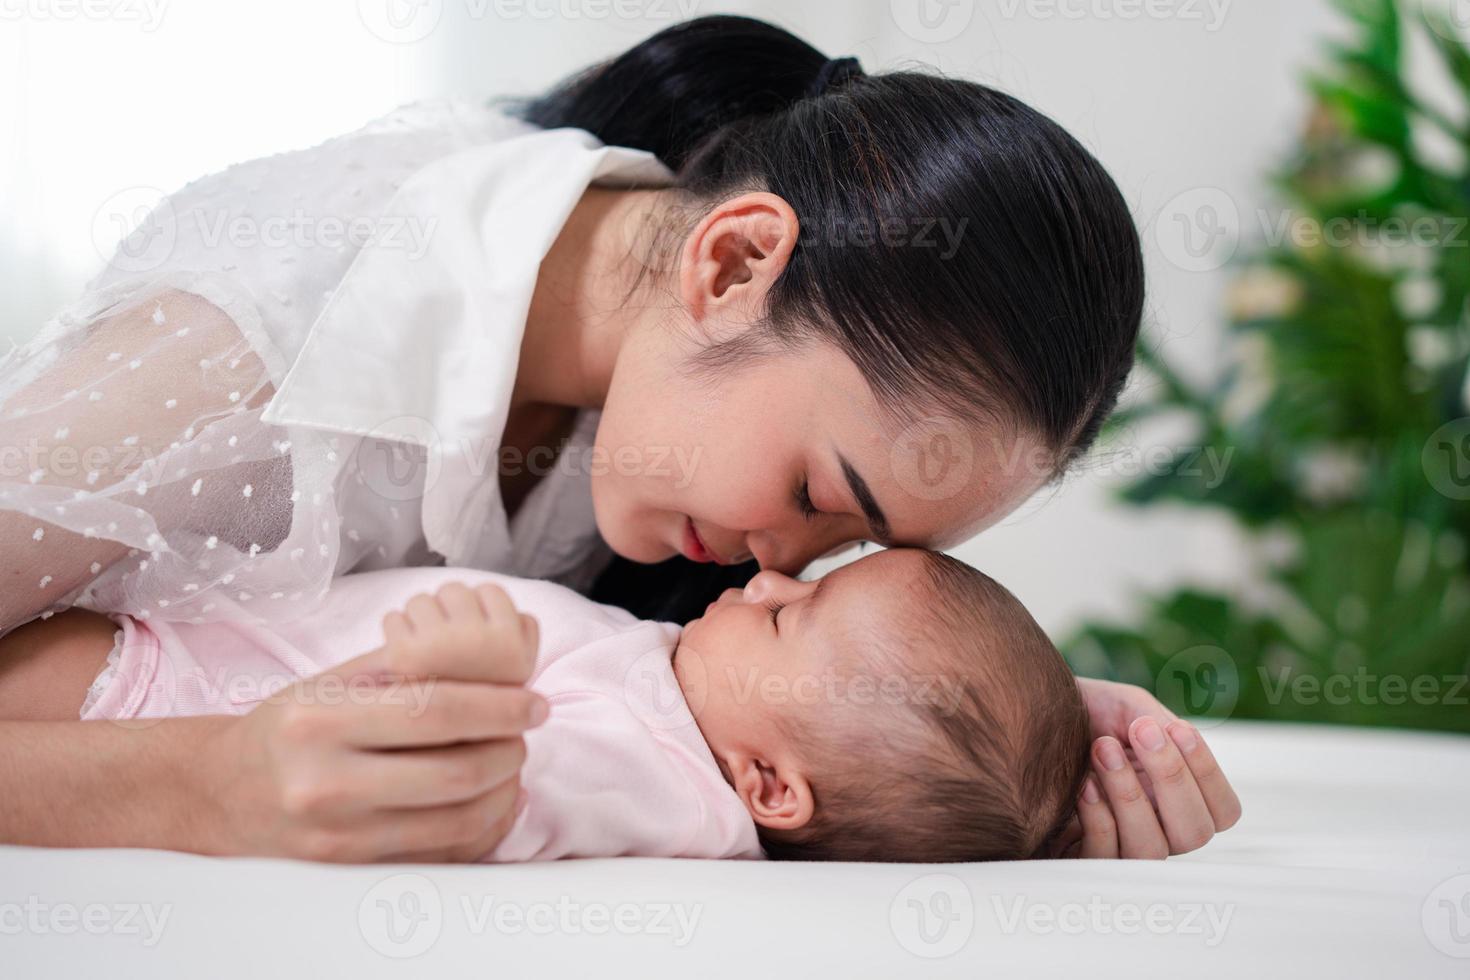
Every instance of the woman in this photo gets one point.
(762, 306)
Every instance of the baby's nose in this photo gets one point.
(760, 587)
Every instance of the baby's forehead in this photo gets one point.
(871, 575)
(878, 599)
(892, 647)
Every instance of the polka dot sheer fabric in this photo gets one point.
(149, 484)
(137, 474)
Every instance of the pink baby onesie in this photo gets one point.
(619, 767)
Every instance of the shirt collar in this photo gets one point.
(420, 341)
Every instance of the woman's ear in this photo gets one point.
(736, 253)
(777, 796)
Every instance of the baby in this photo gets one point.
(904, 707)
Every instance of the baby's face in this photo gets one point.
(780, 649)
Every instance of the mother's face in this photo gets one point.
(786, 457)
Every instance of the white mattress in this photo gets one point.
(1352, 860)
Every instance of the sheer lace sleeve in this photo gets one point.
(137, 475)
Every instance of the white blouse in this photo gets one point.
(302, 367)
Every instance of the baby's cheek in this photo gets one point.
(711, 682)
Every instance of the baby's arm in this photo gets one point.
(47, 665)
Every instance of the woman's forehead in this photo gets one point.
(936, 481)
(936, 478)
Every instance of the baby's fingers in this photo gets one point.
(497, 606)
(460, 602)
(461, 633)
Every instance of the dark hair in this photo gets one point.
(988, 772)
(1030, 322)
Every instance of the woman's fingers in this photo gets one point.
(531, 632)
(1181, 807)
(1138, 830)
(1099, 830)
(423, 778)
(358, 705)
(360, 783)
(459, 832)
(1219, 795)
(1191, 798)
(1067, 843)
(358, 764)
(440, 712)
(462, 831)
(507, 800)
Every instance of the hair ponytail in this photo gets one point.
(669, 93)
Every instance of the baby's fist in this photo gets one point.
(462, 633)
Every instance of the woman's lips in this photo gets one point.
(694, 547)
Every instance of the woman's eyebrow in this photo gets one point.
(877, 520)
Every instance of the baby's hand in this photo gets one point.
(461, 633)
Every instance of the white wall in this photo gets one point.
(1205, 97)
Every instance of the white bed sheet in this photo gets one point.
(1352, 860)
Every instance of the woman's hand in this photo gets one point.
(1155, 788)
(410, 753)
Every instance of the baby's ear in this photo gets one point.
(776, 794)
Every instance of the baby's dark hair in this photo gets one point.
(986, 768)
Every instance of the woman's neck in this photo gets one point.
(579, 316)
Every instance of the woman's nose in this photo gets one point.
(790, 554)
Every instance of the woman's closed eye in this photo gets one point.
(804, 501)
